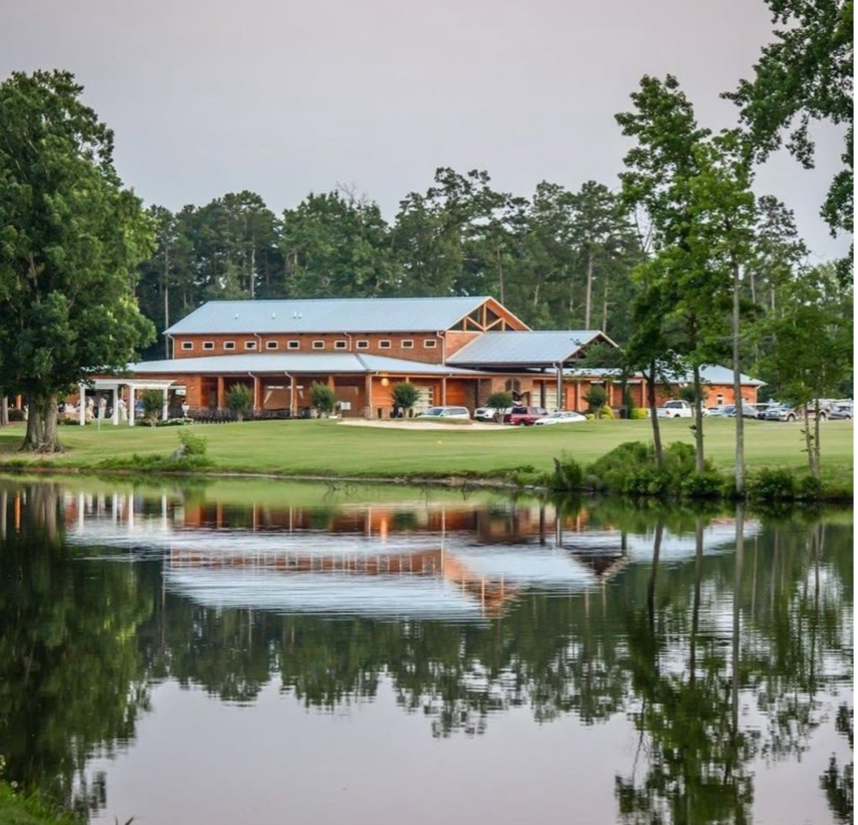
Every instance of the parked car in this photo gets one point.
(446, 413)
(525, 416)
(560, 417)
(841, 410)
(728, 410)
(491, 413)
(782, 412)
(675, 409)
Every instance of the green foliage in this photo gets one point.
(323, 398)
(70, 242)
(805, 75)
(239, 399)
(568, 474)
(772, 485)
(596, 398)
(607, 413)
(405, 395)
(153, 405)
(500, 400)
(192, 443)
(638, 414)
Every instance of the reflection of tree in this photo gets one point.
(837, 783)
(72, 684)
(696, 755)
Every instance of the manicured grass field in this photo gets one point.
(328, 448)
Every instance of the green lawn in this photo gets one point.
(328, 448)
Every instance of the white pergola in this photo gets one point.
(113, 385)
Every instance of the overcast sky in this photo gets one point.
(285, 97)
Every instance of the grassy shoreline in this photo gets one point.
(323, 450)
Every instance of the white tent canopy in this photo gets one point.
(113, 385)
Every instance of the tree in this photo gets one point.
(239, 399)
(804, 76)
(153, 405)
(405, 395)
(501, 400)
(70, 243)
(811, 346)
(336, 245)
(323, 398)
(596, 398)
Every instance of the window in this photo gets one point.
(341, 344)
(229, 344)
(208, 344)
(362, 344)
(270, 345)
(294, 345)
(430, 343)
(186, 345)
(385, 344)
(250, 344)
(318, 344)
(407, 344)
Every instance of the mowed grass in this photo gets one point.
(329, 448)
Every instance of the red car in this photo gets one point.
(524, 416)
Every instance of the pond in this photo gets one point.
(269, 652)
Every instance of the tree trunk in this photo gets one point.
(4, 411)
(253, 271)
(653, 406)
(737, 595)
(42, 436)
(817, 463)
(737, 390)
(589, 294)
(605, 305)
(699, 455)
(810, 449)
(166, 299)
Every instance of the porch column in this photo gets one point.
(368, 408)
(165, 411)
(81, 390)
(116, 405)
(444, 391)
(293, 401)
(132, 408)
(558, 401)
(256, 398)
(577, 396)
(221, 394)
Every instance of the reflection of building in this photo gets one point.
(426, 559)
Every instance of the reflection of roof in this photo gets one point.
(524, 348)
(327, 315)
(309, 363)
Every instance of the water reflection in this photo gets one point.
(724, 639)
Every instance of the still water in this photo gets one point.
(252, 652)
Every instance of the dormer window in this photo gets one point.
(270, 345)
(362, 344)
(293, 345)
(250, 344)
(341, 344)
(430, 343)
(384, 344)
(318, 344)
(229, 345)
(407, 344)
(208, 345)
(187, 345)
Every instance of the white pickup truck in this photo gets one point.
(675, 409)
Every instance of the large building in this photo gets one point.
(456, 351)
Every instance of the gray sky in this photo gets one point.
(285, 97)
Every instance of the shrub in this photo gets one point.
(810, 488)
(405, 395)
(153, 406)
(772, 485)
(638, 414)
(596, 398)
(500, 400)
(607, 413)
(703, 485)
(239, 399)
(193, 444)
(323, 398)
(629, 401)
(590, 417)
(16, 415)
(568, 474)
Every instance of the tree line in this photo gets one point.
(559, 259)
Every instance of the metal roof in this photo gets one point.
(327, 315)
(532, 348)
(713, 374)
(345, 362)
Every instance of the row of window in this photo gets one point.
(428, 343)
